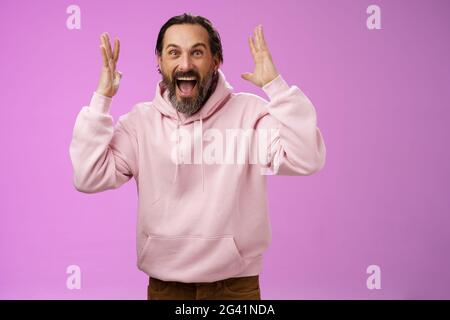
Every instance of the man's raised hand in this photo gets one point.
(109, 76)
(265, 70)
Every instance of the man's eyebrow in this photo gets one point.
(195, 45)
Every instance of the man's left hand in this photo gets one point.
(265, 70)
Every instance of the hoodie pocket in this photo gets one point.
(190, 258)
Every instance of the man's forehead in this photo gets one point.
(185, 35)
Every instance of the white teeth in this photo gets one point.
(185, 78)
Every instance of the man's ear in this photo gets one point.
(158, 58)
(216, 63)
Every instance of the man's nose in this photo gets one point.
(185, 62)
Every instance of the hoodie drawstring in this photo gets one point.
(201, 148)
(178, 151)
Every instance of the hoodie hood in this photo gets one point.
(216, 100)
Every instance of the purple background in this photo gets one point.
(382, 101)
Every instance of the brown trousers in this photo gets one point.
(241, 288)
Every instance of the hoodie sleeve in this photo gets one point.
(103, 155)
(298, 147)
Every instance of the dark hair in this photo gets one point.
(214, 39)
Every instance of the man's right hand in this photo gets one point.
(109, 76)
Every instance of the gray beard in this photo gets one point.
(190, 106)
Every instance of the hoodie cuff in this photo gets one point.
(100, 103)
(275, 86)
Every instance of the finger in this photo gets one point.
(109, 54)
(104, 57)
(117, 77)
(252, 46)
(257, 44)
(116, 50)
(103, 40)
(107, 45)
(262, 39)
(247, 76)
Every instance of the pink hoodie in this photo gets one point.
(199, 220)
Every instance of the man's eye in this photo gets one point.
(172, 52)
(198, 52)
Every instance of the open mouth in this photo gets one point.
(186, 85)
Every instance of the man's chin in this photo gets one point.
(185, 99)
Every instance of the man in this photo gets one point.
(203, 224)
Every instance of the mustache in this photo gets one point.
(190, 73)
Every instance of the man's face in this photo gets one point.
(187, 66)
